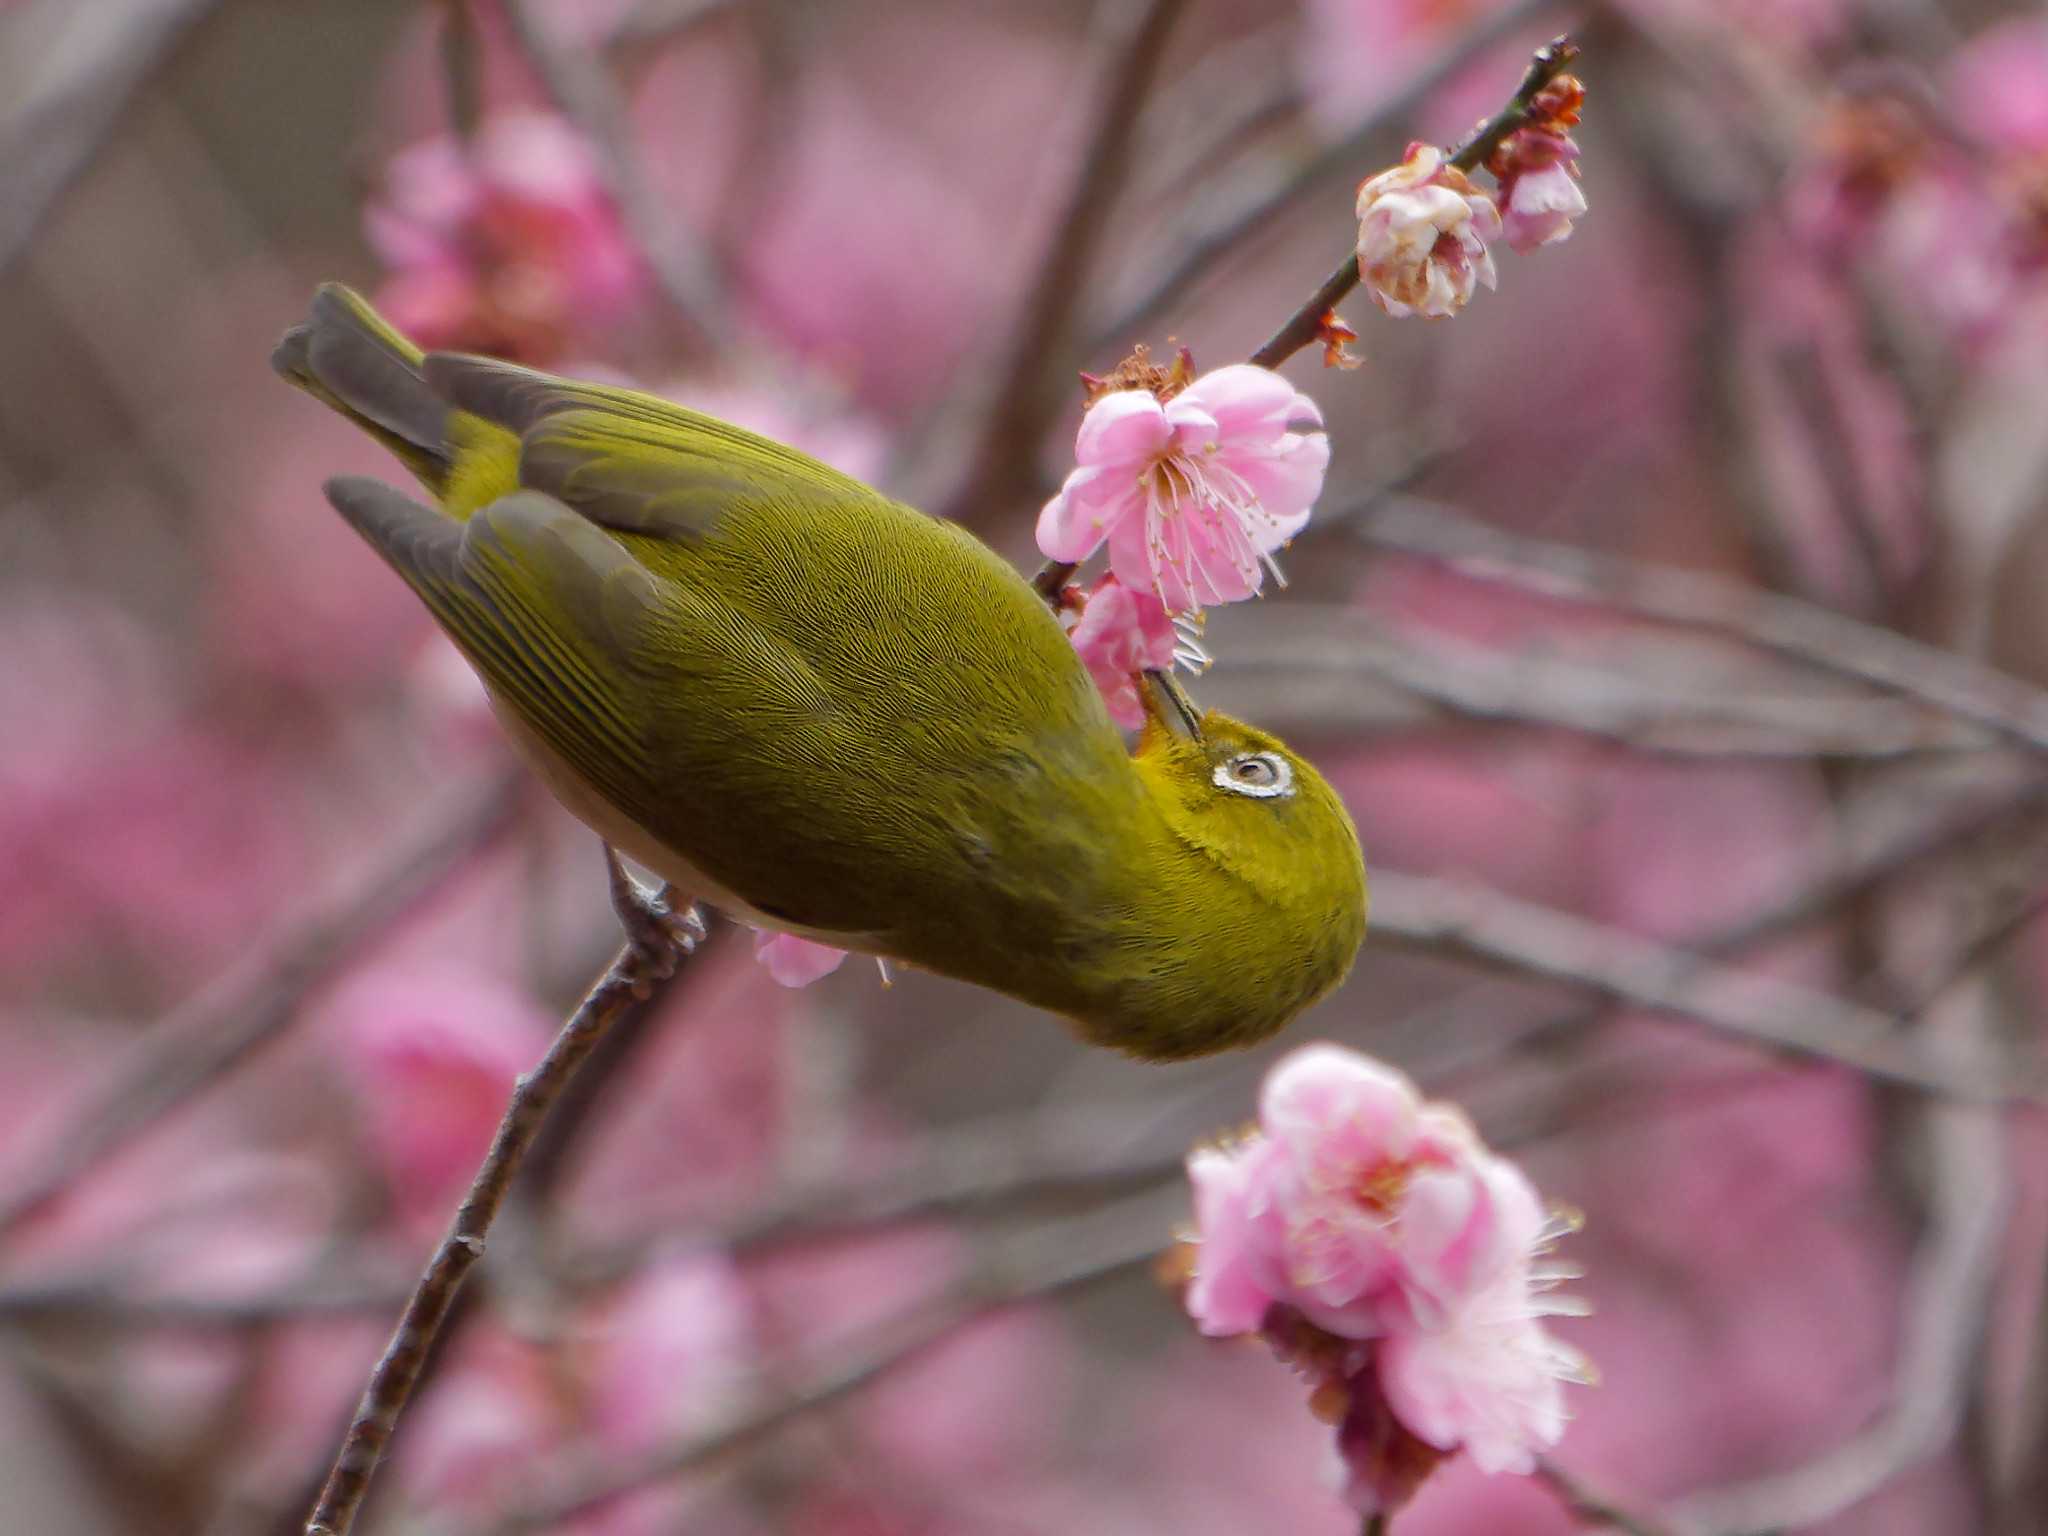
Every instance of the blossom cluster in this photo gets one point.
(1386, 1254)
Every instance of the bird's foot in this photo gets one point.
(657, 934)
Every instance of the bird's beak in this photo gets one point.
(1168, 703)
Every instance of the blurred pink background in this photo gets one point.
(280, 922)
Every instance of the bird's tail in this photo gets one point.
(351, 359)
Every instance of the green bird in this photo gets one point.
(827, 713)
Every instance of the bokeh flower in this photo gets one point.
(1193, 488)
(507, 243)
(1423, 229)
(1391, 1258)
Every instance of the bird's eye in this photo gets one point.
(1262, 775)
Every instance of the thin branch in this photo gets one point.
(633, 974)
(201, 1041)
(1947, 1305)
(582, 90)
(1500, 930)
(1033, 1266)
(1589, 1506)
(1643, 709)
(1304, 326)
(1962, 688)
(1230, 229)
(1024, 402)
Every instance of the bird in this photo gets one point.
(826, 713)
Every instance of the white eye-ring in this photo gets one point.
(1261, 775)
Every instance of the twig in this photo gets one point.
(1947, 1306)
(1305, 324)
(1022, 406)
(1500, 930)
(1785, 626)
(1638, 709)
(217, 1029)
(631, 975)
(582, 90)
(1589, 1506)
(1033, 1266)
(1230, 229)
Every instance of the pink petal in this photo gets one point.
(1247, 401)
(1230, 1293)
(1127, 427)
(1073, 524)
(792, 961)
(1321, 1091)
(1287, 482)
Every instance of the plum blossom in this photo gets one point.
(1121, 633)
(1539, 188)
(507, 244)
(1423, 229)
(1391, 1258)
(1194, 488)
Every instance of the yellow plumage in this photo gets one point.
(829, 713)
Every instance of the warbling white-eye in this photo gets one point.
(828, 713)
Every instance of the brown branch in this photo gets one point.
(205, 1038)
(1500, 930)
(633, 974)
(1304, 326)
(1026, 399)
(1785, 626)
(1230, 229)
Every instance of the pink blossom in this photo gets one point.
(432, 1053)
(1194, 492)
(1122, 633)
(1358, 1205)
(1998, 85)
(1423, 229)
(508, 244)
(794, 961)
(1383, 1251)
(1539, 188)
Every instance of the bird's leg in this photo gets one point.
(656, 931)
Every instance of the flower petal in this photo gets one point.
(1126, 427)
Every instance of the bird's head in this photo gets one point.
(1265, 883)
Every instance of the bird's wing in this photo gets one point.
(630, 461)
(570, 631)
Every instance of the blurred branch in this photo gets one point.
(1947, 1306)
(1304, 326)
(1032, 1266)
(67, 73)
(635, 974)
(215, 1031)
(1786, 626)
(1591, 1507)
(1501, 930)
(662, 21)
(1016, 415)
(1227, 230)
(1641, 709)
(583, 91)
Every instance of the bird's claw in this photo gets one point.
(657, 934)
